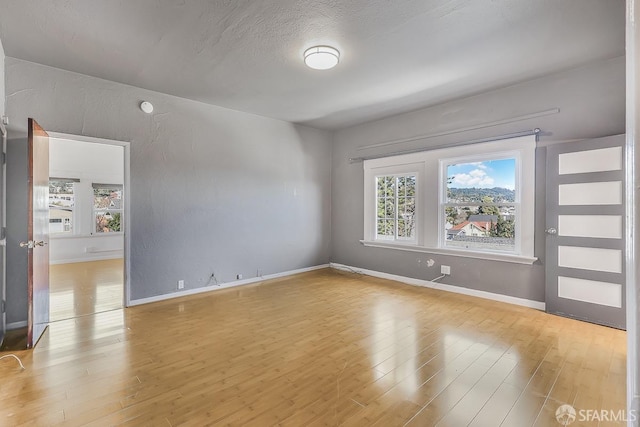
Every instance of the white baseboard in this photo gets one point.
(86, 259)
(443, 287)
(223, 285)
(16, 325)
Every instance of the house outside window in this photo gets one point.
(107, 208)
(61, 205)
(481, 203)
(473, 200)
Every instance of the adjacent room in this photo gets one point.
(319, 213)
(86, 244)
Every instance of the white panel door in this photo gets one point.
(585, 224)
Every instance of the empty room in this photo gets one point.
(306, 213)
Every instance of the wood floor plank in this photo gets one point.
(320, 348)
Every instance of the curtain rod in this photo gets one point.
(485, 125)
(534, 131)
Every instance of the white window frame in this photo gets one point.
(445, 163)
(395, 238)
(371, 201)
(428, 167)
(74, 211)
(95, 211)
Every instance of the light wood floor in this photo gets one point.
(320, 348)
(83, 288)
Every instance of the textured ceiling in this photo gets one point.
(247, 55)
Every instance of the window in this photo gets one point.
(61, 205)
(472, 200)
(107, 208)
(396, 207)
(480, 207)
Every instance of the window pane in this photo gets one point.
(380, 209)
(107, 222)
(480, 227)
(405, 215)
(107, 197)
(489, 181)
(390, 207)
(395, 207)
(411, 185)
(61, 205)
(386, 229)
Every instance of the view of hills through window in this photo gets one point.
(480, 207)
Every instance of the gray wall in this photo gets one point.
(212, 190)
(2, 88)
(16, 231)
(591, 100)
(2, 196)
(215, 190)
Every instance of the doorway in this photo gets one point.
(88, 225)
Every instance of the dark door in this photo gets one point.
(37, 247)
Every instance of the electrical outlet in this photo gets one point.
(180, 284)
(445, 269)
(239, 276)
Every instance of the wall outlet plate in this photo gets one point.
(180, 284)
(445, 269)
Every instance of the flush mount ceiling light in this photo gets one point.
(321, 57)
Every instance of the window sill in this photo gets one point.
(83, 236)
(492, 256)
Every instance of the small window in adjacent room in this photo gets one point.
(481, 206)
(107, 208)
(61, 205)
(396, 207)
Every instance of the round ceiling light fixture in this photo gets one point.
(321, 57)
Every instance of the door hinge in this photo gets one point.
(3, 306)
(4, 158)
(3, 233)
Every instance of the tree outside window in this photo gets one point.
(396, 207)
(107, 208)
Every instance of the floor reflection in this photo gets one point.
(83, 288)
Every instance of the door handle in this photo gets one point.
(551, 231)
(32, 244)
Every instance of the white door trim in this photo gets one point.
(633, 205)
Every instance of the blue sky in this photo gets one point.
(487, 174)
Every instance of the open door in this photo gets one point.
(37, 246)
(585, 246)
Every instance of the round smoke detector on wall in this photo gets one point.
(146, 106)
